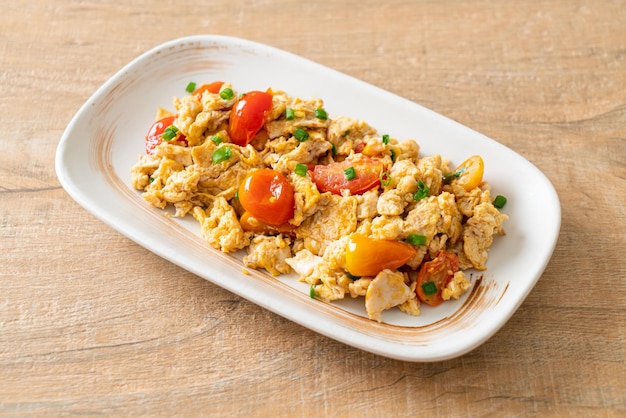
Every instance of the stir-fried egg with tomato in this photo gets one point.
(351, 212)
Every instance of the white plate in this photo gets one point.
(106, 137)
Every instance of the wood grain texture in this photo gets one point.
(93, 324)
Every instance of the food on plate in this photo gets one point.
(352, 212)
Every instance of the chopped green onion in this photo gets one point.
(448, 177)
(334, 150)
(415, 239)
(385, 179)
(216, 139)
(190, 87)
(237, 194)
(430, 288)
(312, 291)
(350, 173)
(301, 169)
(346, 133)
(169, 133)
(300, 134)
(422, 191)
(227, 93)
(290, 114)
(385, 139)
(352, 277)
(221, 154)
(152, 179)
(393, 156)
(499, 201)
(321, 114)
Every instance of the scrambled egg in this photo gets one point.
(413, 199)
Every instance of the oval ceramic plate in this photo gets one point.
(106, 136)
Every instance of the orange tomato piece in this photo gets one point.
(368, 256)
(471, 172)
(251, 224)
(268, 196)
(213, 87)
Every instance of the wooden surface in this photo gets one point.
(93, 324)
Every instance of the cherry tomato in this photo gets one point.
(368, 256)
(213, 87)
(434, 276)
(268, 196)
(471, 172)
(333, 177)
(156, 131)
(252, 224)
(248, 116)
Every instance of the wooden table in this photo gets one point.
(94, 324)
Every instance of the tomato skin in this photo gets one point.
(268, 196)
(439, 271)
(213, 87)
(248, 116)
(156, 130)
(251, 224)
(368, 256)
(332, 177)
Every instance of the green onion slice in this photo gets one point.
(393, 156)
(350, 173)
(169, 133)
(321, 114)
(290, 114)
(499, 201)
(216, 139)
(227, 93)
(352, 276)
(385, 179)
(301, 169)
(430, 288)
(334, 150)
(300, 134)
(312, 291)
(385, 139)
(422, 191)
(448, 177)
(346, 133)
(416, 239)
(221, 154)
(190, 87)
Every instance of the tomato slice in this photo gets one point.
(250, 223)
(248, 116)
(213, 87)
(434, 276)
(155, 133)
(268, 196)
(368, 256)
(334, 178)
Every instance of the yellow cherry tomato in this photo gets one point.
(368, 256)
(470, 172)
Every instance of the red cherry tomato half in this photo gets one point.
(248, 116)
(268, 196)
(213, 87)
(155, 133)
(368, 256)
(333, 177)
(434, 276)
